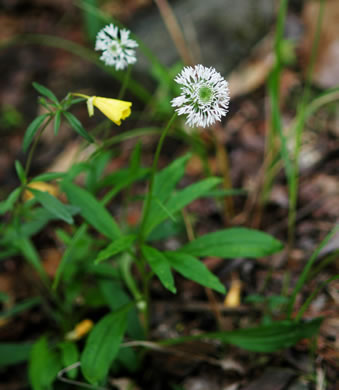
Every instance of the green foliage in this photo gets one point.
(264, 338)
(107, 264)
(32, 130)
(14, 353)
(77, 126)
(91, 210)
(53, 205)
(160, 266)
(103, 345)
(44, 365)
(234, 242)
(69, 356)
(192, 268)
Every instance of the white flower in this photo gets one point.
(117, 48)
(204, 96)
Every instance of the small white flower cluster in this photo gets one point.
(116, 46)
(204, 96)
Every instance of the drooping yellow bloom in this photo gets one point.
(80, 330)
(41, 186)
(116, 110)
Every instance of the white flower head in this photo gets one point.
(116, 46)
(204, 96)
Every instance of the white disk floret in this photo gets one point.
(204, 96)
(116, 46)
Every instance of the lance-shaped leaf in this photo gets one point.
(233, 242)
(103, 345)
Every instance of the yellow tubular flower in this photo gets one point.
(80, 330)
(114, 109)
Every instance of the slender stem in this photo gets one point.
(293, 187)
(125, 82)
(36, 141)
(308, 301)
(174, 29)
(275, 122)
(303, 278)
(147, 208)
(223, 162)
(151, 183)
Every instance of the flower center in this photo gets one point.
(205, 94)
(115, 48)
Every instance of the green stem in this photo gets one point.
(148, 201)
(307, 269)
(146, 211)
(31, 152)
(308, 301)
(293, 184)
(125, 82)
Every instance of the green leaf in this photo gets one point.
(103, 345)
(233, 242)
(193, 269)
(57, 120)
(20, 307)
(7, 204)
(14, 353)
(69, 356)
(264, 338)
(270, 338)
(29, 252)
(307, 268)
(20, 172)
(70, 254)
(166, 180)
(92, 210)
(45, 92)
(119, 245)
(4, 297)
(52, 204)
(164, 183)
(77, 126)
(115, 295)
(49, 176)
(179, 200)
(44, 365)
(160, 266)
(92, 22)
(31, 130)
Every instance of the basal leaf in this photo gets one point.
(52, 204)
(160, 266)
(119, 245)
(179, 200)
(32, 129)
(14, 353)
(194, 269)
(233, 242)
(69, 254)
(103, 345)
(92, 210)
(270, 338)
(7, 204)
(69, 356)
(44, 365)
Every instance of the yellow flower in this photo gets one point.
(41, 186)
(116, 110)
(80, 330)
